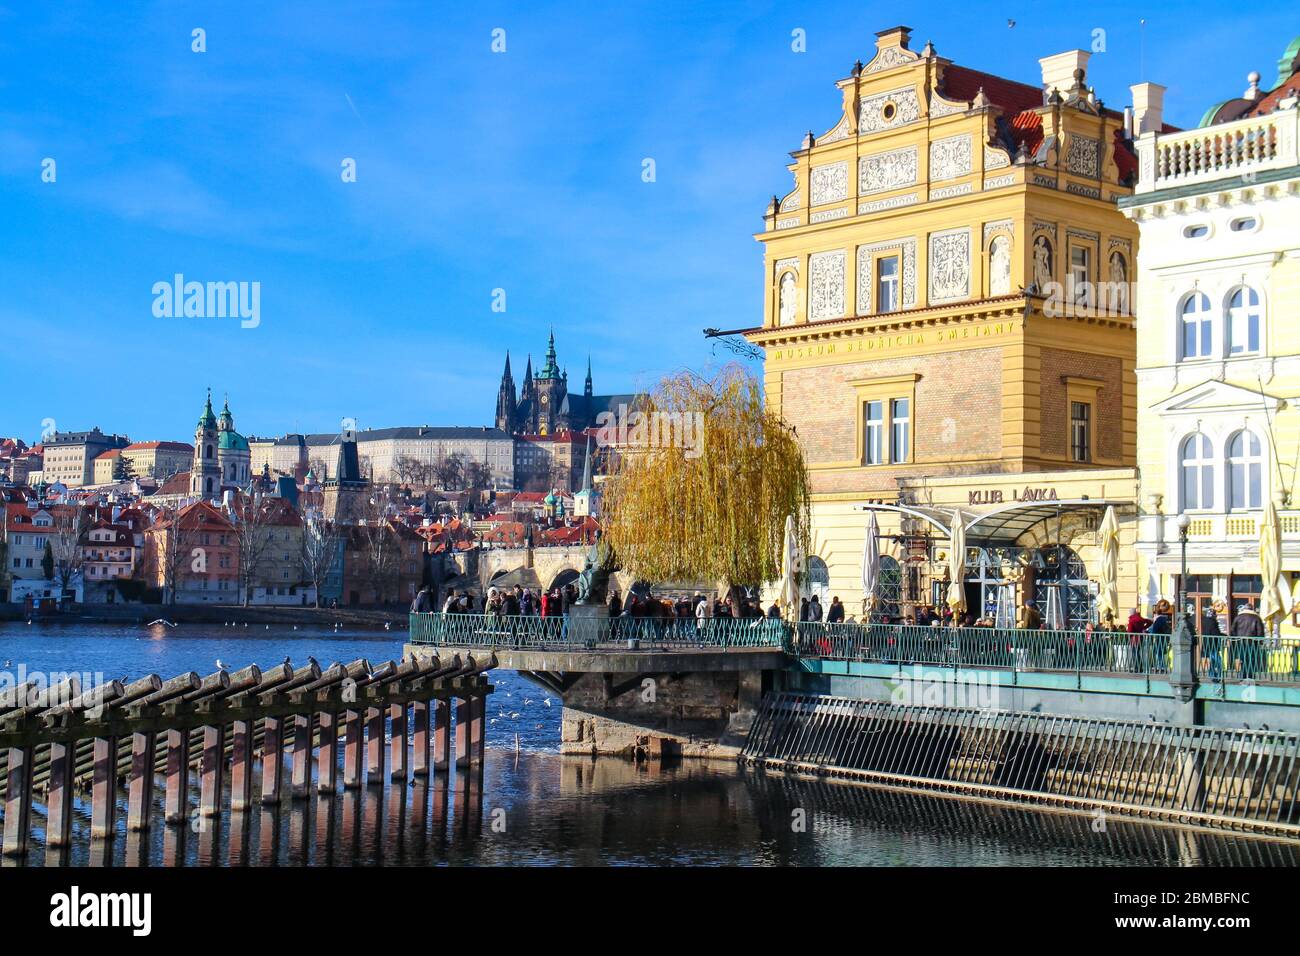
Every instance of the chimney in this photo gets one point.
(894, 36)
(1148, 108)
(1058, 69)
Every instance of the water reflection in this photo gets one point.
(546, 809)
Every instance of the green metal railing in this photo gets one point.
(1225, 661)
(564, 632)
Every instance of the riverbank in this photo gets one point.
(393, 618)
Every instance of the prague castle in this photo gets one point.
(544, 405)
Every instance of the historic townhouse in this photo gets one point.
(1218, 365)
(946, 323)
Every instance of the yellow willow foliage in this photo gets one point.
(679, 513)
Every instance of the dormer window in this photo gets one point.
(1196, 232)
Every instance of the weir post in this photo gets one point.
(397, 757)
(300, 782)
(58, 828)
(272, 759)
(139, 801)
(328, 754)
(18, 800)
(103, 787)
(441, 734)
(375, 746)
(464, 707)
(420, 738)
(478, 728)
(241, 766)
(176, 798)
(352, 755)
(214, 766)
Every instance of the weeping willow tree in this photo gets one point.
(702, 484)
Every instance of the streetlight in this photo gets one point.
(1184, 523)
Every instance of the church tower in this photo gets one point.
(205, 473)
(586, 386)
(506, 400)
(551, 387)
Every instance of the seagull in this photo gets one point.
(547, 702)
(220, 665)
(1011, 24)
(286, 661)
(528, 701)
(515, 715)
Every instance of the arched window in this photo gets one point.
(819, 580)
(1243, 321)
(1196, 463)
(1197, 337)
(1245, 472)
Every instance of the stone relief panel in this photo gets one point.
(826, 290)
(949, 265)
(790, 202)
(866, 281)
(950, 157)
(889, 58)
(943, 107)
(880, 172)
(1084, 156)
(893, 202)
(888, 110)
(829, 183)
(996, 158)
(787, 298)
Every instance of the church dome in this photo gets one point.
(232, 441)
(550, 499)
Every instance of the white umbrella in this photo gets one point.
(1108, 573)
(788, 588)
(870, 565)
(1272, 606)
(957, 565)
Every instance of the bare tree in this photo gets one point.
(381, 551)
(70, 524)
(318, 468)
(168, 551)
(449, 469)
(478, 475)
(250, 518)
(320, 545)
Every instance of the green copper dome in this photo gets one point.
(232, 441)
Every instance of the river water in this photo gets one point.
(531, 806)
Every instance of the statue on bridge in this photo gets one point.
(593, 582)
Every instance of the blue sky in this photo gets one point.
(475, 171)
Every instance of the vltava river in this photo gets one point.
(533, 806)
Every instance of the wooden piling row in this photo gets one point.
(221, 724)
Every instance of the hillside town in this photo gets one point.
(352, 518)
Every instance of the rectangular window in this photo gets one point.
(1080, 271)
(873, 438)
(900, 426)
(1081, 431)
(887, 284)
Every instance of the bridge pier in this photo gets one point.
(464, 711)
(103, 787)
(397, 743)
(300, 781)
(375, 746)
(441, 734)
(18, 800)
(58, 828)
(352, 755)
(241, 766)
(176, 799)
(139, 800)
(328, 754)
(420, 738)
(272, 760)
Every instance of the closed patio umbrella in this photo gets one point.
(1108, 573)
(870, 566)
(957, 565)
(788, 587)
(1272, 605)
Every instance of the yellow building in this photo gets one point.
(1218, 352)
(946, 325)
(149, 459)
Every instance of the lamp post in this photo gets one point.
(1184, 523)
(1182, 676)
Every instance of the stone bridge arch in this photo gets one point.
(547, 563)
